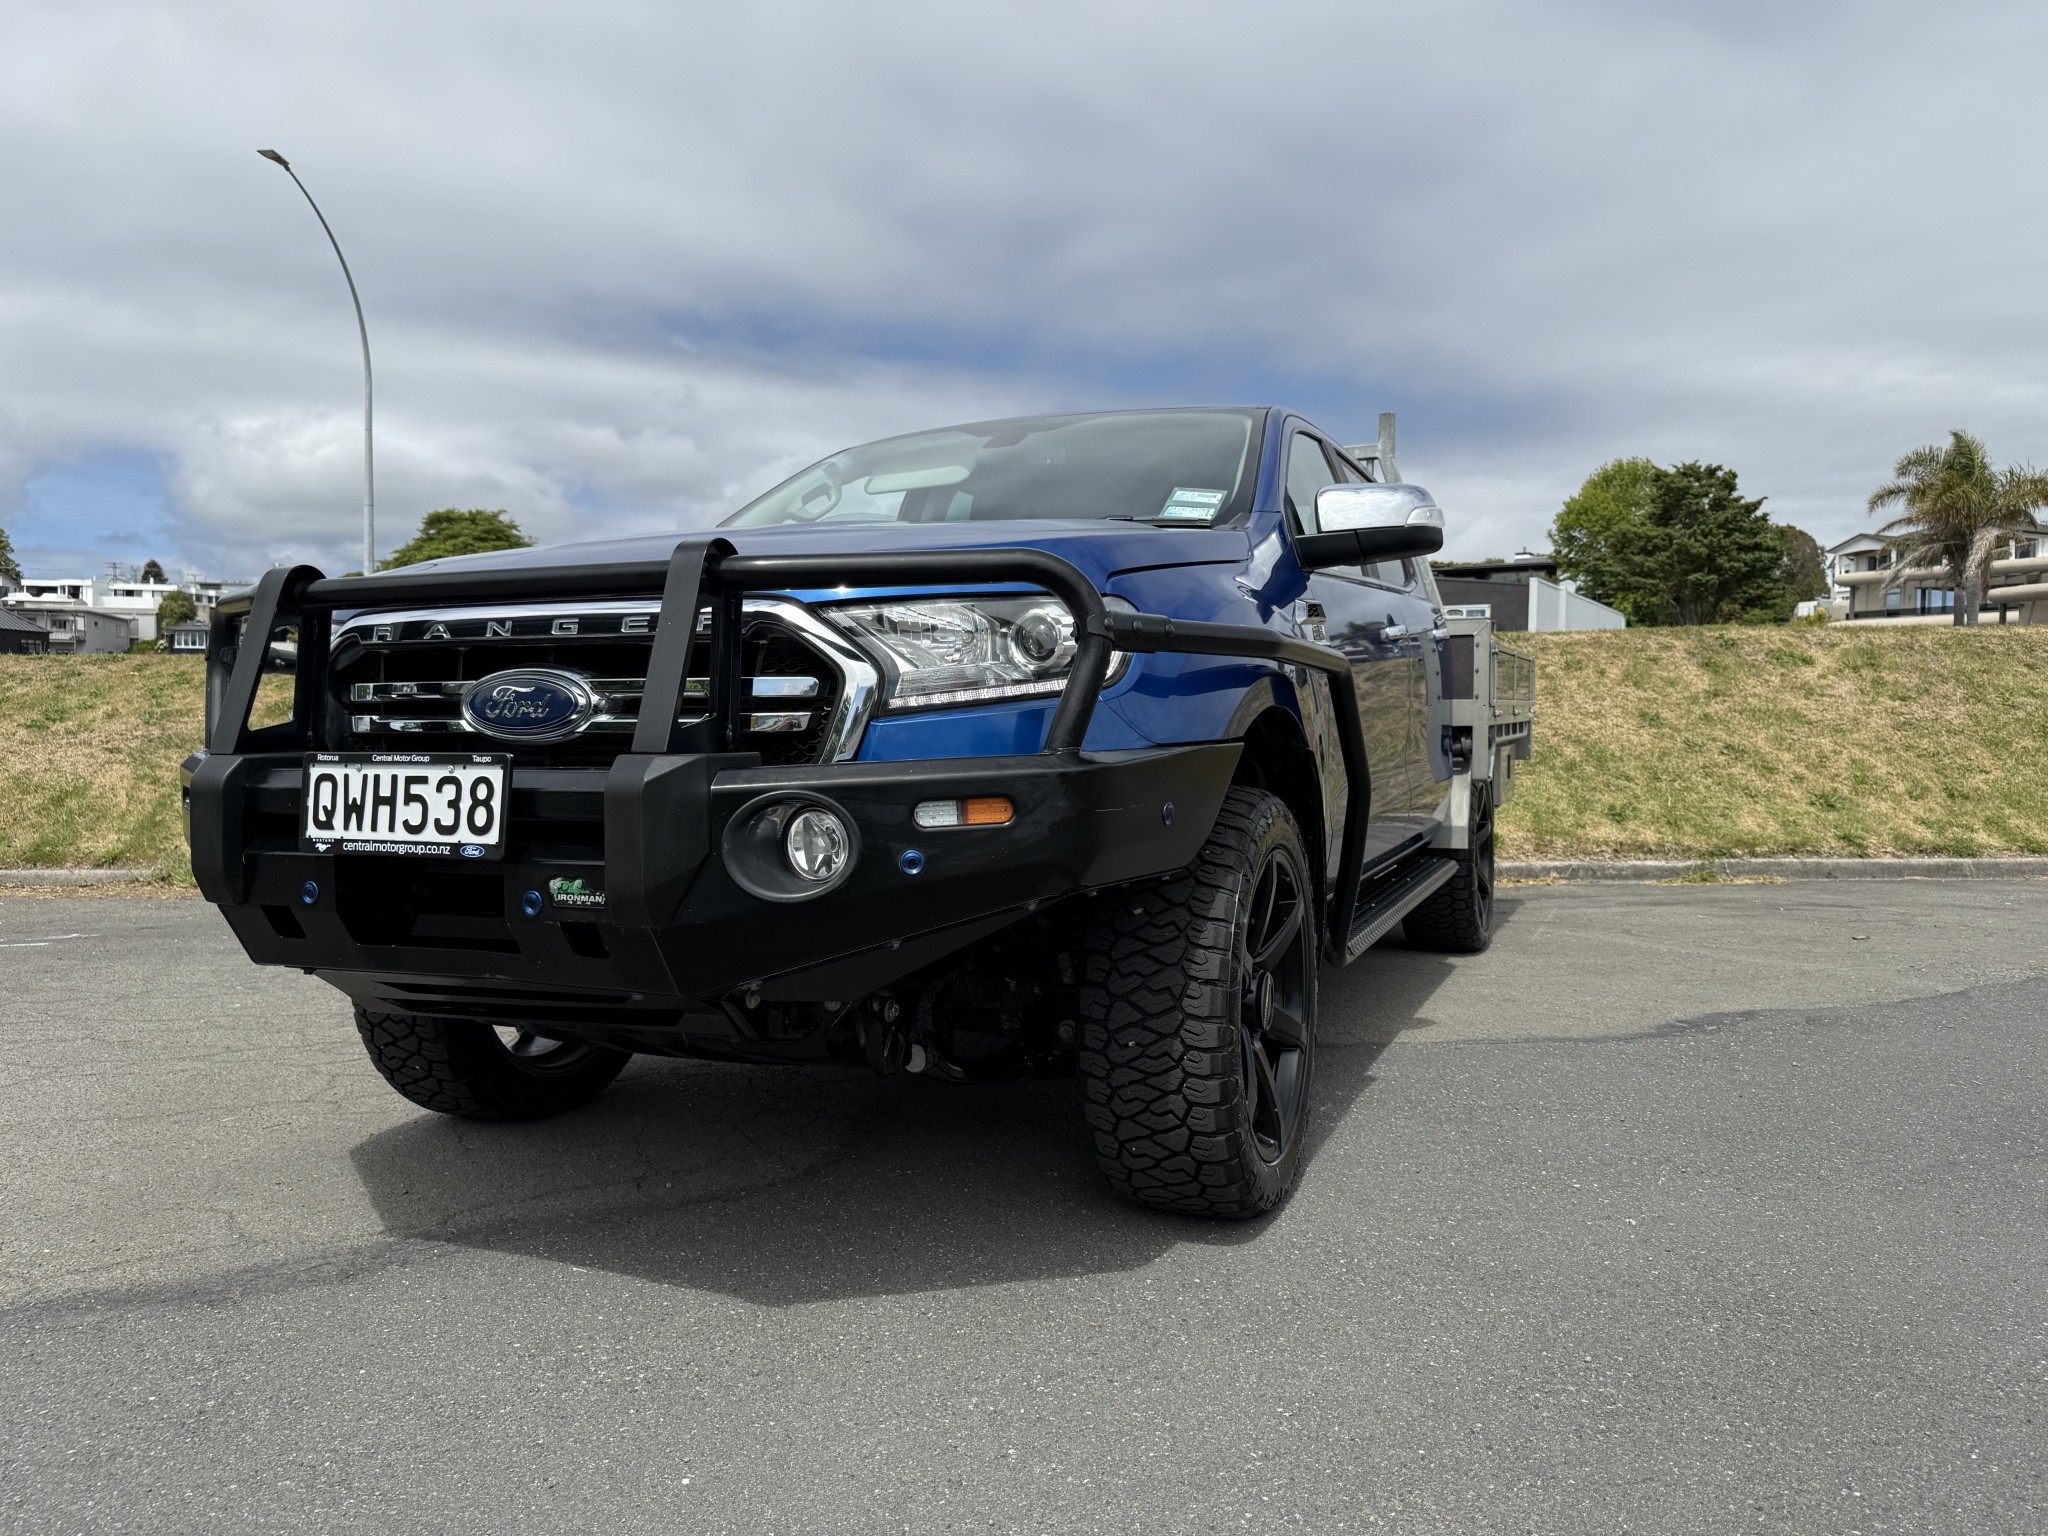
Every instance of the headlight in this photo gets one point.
(959, 650)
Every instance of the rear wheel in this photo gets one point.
(1457, 917)
(481, 1071)
(1198, 1021)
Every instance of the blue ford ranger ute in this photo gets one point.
(1066, 744)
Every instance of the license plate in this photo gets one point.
(427, 804)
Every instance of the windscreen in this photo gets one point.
(1172, 468)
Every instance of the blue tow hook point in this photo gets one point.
(912, 862)
(531, 903)
(309, 893)
(1166, 813)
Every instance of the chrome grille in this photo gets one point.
(438, 705)
(397, 677)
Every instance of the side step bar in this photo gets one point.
(1386, 905)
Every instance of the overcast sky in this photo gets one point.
(626, 264)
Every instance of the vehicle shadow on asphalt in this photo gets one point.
(783, 1186)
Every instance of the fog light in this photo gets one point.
(816, 844)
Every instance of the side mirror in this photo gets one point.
(1362, 524)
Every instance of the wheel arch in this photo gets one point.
(1278, 759)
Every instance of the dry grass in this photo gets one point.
(90, 747)
(1649, 743)
(1784, 740)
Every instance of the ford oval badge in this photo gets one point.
(529, 704)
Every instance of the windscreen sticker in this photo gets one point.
(1193, 501)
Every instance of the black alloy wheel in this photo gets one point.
(1482, 856)
(1198, 1008)
(538, 1051)
(1274, 1001)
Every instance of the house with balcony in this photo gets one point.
(134, 601)
(1861, 569)
(118, 600)
(73, 628)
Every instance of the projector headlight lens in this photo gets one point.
(817, 845)
(963, 650)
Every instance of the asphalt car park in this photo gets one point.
(1682, 1208)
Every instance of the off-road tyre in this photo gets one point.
(1457, 917)
(1171, 1035)
(465, 1068)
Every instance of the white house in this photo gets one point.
(134, 602)
(73, 627)
(1860, 570)
(190, 637)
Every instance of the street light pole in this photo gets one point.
(369, 458)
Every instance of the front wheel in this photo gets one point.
(1198, 1014)
(478, 1071)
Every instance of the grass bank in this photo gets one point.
(1785, 740)
(89, 754)
(1686, 743)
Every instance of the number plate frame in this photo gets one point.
(475, 767)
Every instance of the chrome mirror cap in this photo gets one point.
(1363, 524)
(1344, 508)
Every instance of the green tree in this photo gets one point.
(1806, 570)
(1957, 508)
(1673, 546)
(1710, 551)
(9, 571)
(452, 532)
(176, 608)
(151, 571)
(1589, 535)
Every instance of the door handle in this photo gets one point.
(1441, 632)
(1393, 631)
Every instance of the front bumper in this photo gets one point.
(674, 926)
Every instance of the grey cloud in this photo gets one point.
(626, 263)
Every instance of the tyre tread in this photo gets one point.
(1159, 1041)
(440, 1065)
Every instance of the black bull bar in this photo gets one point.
(669, 757)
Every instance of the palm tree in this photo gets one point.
(1957, 508)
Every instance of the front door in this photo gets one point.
(1361, 617)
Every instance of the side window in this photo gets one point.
(1392, 573)
(1308, 471)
